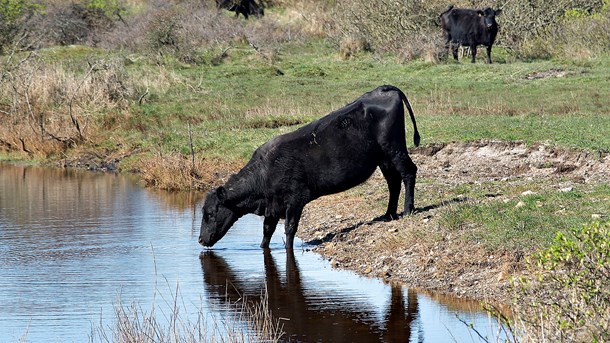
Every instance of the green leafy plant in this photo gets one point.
(575, 274)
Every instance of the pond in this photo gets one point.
(75, 244)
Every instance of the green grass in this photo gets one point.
(452, 102)
(524, 222)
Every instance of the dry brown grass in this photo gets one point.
(49, 107)
(174, 171)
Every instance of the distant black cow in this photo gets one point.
(245, 7)
(470, 28)
(329, 155)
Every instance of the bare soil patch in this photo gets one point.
(417, 250)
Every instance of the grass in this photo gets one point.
(453, 102)
(169, 321)
(240, 103)
(527, 216)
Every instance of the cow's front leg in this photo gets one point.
(293, 215)
(489, 54)
(269, 225)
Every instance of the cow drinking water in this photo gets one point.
(470, 28)
(330, 155)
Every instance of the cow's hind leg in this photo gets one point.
(454, 49)
(293, 215)
(269, 225)
(473, 49)
(392, 176)
(408, 171)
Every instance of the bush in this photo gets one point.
(575, 272)
(576, 35)
(47, 107)
(412, 28)
(77, 24)
(14, 15)
(403, 27)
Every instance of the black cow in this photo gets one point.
(245, 7)
(329, 155)
(470, 28)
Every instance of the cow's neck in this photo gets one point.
(244, 189)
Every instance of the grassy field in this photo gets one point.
(238, 103)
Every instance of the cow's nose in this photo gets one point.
(200, 240)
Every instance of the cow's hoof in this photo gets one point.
(408, 212)
(386, 218)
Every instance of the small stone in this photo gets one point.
(596, 216)
(368, 270)
(566, 189)
(392, 230)
(520, 204)
(502, 276)
(528, 192)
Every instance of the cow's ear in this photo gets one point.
(480, 13)
(498, 11)
(222, 194)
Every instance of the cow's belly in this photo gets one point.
(335, 180)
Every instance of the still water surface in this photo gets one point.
(73, 243)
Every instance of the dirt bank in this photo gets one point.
(417, 250)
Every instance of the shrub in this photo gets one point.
(388, 25)
(412, 28)
(575, 272)
(14, 15)
(46, 107)
(77, 24)
(577, 34)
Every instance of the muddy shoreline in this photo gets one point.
(417, 250)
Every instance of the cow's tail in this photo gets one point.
(416, 137)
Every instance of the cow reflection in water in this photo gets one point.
(307, 322)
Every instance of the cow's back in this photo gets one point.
(337, 151)
(462, 24)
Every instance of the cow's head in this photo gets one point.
(489, 16)
(217, 217)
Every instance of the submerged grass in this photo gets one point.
(169, 323)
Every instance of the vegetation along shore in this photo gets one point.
(512, 196)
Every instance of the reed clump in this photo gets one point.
(168, 322)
